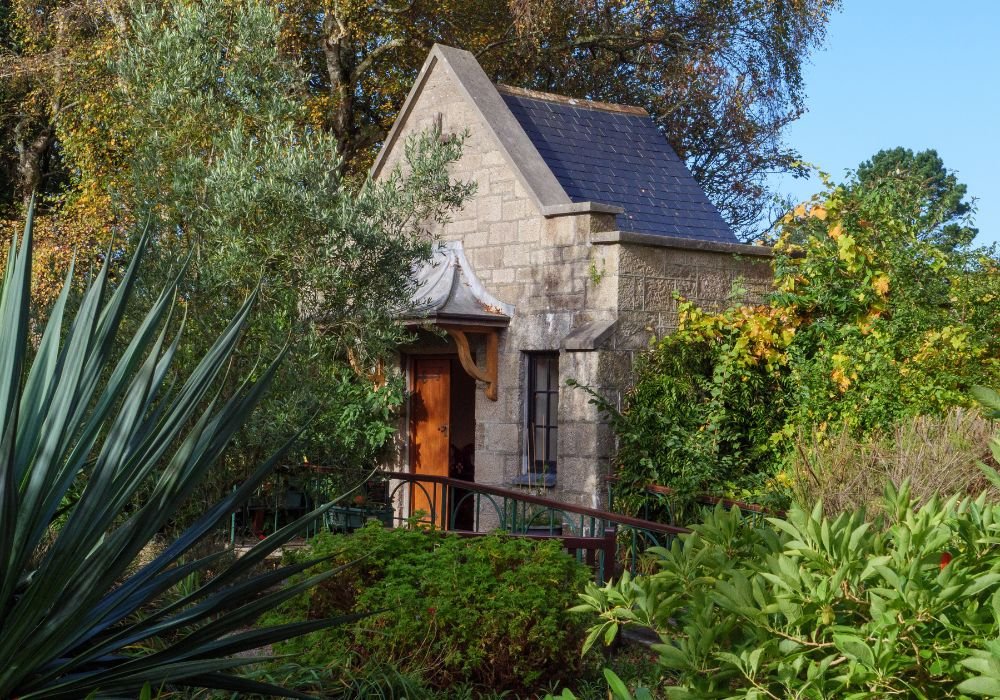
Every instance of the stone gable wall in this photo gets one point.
(650, 277)
(541, 266)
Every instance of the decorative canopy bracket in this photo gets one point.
(489, 375)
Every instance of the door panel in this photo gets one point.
(429, 434)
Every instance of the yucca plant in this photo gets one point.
(83, 428)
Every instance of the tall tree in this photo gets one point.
(203, 142)
(54, 87)
(722, 78)
(933, 201)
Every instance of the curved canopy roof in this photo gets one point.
(448, 291)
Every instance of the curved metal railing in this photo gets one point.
(609, 542)
(663, 496)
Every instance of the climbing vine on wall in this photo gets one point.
(876, 316)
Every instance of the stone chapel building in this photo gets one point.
(562, 266)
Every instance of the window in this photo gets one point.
(542, 429)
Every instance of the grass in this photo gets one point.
(937, 454)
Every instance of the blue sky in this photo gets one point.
(911, 73)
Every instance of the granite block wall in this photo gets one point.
(558, 280)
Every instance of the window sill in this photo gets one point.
(547, 481)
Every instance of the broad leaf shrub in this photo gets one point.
(882, 311)
(814, 607)
(86, 421)
(694, 419)
(491, 610)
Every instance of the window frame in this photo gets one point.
(532, 473)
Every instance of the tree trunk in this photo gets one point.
(337, 49)
(32, 149)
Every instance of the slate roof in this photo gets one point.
(614, 155)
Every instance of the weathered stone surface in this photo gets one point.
(489, 209)
(630, 293)
(714, 287)
(641, 261)
(634, 329)
(679, 272)
(562, 231)
(502, 437)
(503, 233)
(602, 295)
(614, 370)
(529, 230)
(687, 288)
(514, 210)
(657, 293)
(489, 468)
(503, 276)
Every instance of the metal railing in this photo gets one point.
(664, 497)
(608, 542)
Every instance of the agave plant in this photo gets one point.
(84, 420)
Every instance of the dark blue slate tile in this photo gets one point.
(620, 159)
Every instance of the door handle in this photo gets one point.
(443, 429)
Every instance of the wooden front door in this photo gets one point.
(429, 435)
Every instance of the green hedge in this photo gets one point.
(490, 611)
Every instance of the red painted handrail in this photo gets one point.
(705, 498)
(616, 518)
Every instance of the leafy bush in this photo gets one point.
(487, 610)
(220, 166)
(882, 311)
(694, 420)
(818, 608)
(935, 454)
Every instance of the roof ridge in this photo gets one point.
(572, 101)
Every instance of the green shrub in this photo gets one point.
(818, 608)
(878, 315)
(488, 610)
(695, 423)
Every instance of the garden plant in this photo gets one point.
(485, 612)
(882, 311)
(87, 419)
(810, 606)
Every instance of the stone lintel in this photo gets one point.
(657, 241)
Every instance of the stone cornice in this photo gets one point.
(649, 239)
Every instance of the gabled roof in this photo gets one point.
(617, 155)
(578, 156)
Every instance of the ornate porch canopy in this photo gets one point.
(449, 295)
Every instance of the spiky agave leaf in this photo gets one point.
(68, 616)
